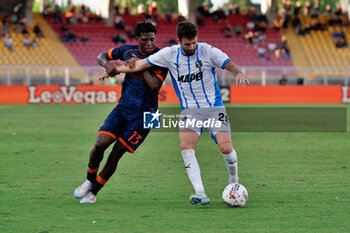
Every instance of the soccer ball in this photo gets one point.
(235, 195)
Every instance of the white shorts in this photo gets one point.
(197, 119)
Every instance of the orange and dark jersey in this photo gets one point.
(136, 94)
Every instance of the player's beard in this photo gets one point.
(190, 52)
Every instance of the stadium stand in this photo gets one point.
(317, 49)
(49, 52)
(101, 39)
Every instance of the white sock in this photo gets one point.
(193, 170)
(232, 167)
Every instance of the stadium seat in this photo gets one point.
(101, 39)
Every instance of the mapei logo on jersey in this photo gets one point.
(151, 120)
(189, 78)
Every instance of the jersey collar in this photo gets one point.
(145, 53)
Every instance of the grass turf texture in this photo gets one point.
(297, 182)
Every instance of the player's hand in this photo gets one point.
(131, 62)
(110, 68)
(241, 79)
(103, 76)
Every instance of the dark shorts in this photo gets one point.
(125, 125)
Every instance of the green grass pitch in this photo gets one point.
(297, 182)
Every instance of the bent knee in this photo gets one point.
(100, 146)
(186, 146)
(226, 147)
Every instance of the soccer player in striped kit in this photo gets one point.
(192, 67)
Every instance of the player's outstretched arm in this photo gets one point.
(241, 78)
(139, 66)
(103, 61)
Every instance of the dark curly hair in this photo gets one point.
(186, 29)
(144, 27)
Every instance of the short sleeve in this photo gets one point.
(160, 58)
(160, 72)
(217, 58)
(116, 53)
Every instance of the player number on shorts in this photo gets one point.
(135, 138)
(223, 117)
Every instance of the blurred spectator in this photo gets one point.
(68, 36)
(283, 80)
(85, 38)
(119, 38)
(238, 30)
(228, 30)
(172, 42)
(283, 49)
(297, 8)
(315, 11)
(259, 37)
(249, 37)
(305, 11)
(119, 22)
(296, 12)
(168, 17)
(307, 5)
(14, 19)
(236, 9)
(26, 41)
(339, 38)
(246, 12)
(233, 9)
(141, 9)
(253, 15)
(328, 15)
(56, 13)
(288, 8)
(230, 9)
(70, 15)
(315, 24)
(281, 19)
(261, 52)
(126, 10)
(338, 15)
(84, 13)
(153, 10)
(261, 25)
(116, 10)
(296, 22)
(24, 29)
(4, 29)
(218, 14)
(9, 42)
(47, 9)
(203, 10)
(83, 9)
(35, 43)
(250, 25)
(149, 19)
(271, 47)
(38, 32)
(18, 28)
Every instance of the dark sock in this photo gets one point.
(98, 184)
(91, 174)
